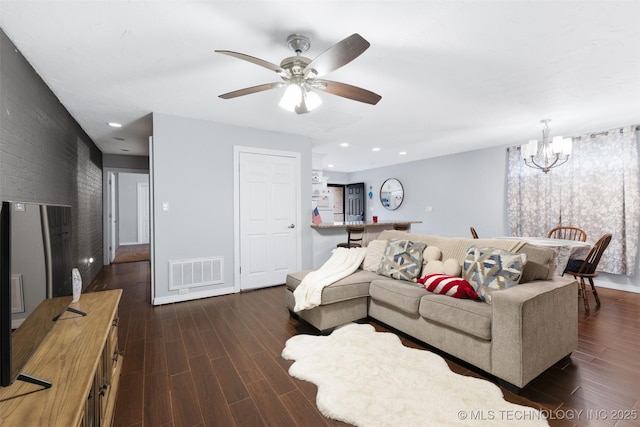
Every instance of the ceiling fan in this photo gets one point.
(300, 75)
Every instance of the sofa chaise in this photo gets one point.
(526, 329)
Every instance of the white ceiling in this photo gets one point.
(453, 75)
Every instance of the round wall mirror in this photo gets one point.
(391, 194)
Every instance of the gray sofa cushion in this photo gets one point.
(353, 286)
(471, 317)
(541, 263)
(404, 296)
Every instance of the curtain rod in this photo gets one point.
(592, 135)
(606, 132)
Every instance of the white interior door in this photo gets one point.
(143, 213)
(269, 212)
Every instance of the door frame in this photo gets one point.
(143, 199)
(107, 202)
(237, 150)
(113, 216)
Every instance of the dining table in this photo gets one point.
(565, 249)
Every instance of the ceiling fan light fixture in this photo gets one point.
(312, 100)
(291, 98)
(300, 74)
(299, 100)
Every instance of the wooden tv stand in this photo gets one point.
(80, 357)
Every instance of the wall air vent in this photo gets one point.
(192, 273)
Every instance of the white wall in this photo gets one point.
(462, 190)
(192, 170)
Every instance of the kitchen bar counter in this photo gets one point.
(367, 224)
(328, 234)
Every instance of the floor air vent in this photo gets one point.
(191, 273)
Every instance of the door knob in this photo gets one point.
(292, 226)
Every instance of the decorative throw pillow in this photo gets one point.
(490, 269)
(432, 267)
(375, 252)
(453, 286)
(402, 260)
(431, 261)
(452, 267)
(432, 253)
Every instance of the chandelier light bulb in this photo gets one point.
(558, 143)
(567, 146)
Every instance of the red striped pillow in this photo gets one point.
(452, 286)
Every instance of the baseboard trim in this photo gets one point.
(192, 295)
(616, 286)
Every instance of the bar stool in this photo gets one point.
(401, 227)
(355, 234)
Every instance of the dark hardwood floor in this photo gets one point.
(216, 362)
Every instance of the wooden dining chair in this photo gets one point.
(473, 233)
(586, 269)
(567, 233)
(355, 235)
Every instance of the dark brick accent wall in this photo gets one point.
(46, 157)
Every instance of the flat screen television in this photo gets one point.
(35, 281)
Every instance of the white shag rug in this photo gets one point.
(370, 378)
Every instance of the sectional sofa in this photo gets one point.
(526, 329)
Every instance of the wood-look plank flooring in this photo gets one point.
(216, 362)
(131, 253)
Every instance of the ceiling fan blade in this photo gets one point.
(347, 91)
(338, 55)
(261, 62)
(250, 90)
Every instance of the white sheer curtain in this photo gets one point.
(598, 190)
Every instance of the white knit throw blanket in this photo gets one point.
(342, 263)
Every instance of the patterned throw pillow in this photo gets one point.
(490, 269)
(402, 260)
(453, 286)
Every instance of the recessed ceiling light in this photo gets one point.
(329, 166)
(402, 153)
(114, 125)
(344, 144)
(375, 149)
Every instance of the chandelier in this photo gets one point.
(549, 154)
